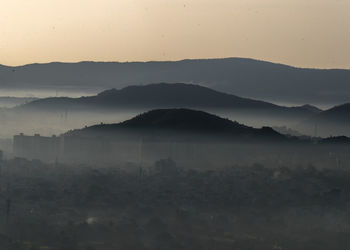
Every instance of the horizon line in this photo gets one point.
(171, 61)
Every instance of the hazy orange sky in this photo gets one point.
(306, 33)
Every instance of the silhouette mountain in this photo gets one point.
(167, 122)
(340, 113)
(337, 115)
(311, 108)
(192, 125)
(334, 121)
(241, 76)
(165, 95)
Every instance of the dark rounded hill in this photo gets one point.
(181, 121)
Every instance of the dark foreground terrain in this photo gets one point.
(166, 207)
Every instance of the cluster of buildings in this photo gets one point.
(85, 149)
(73, 148)
(146, 149)
(37, 147)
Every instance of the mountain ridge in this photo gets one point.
(165, 95)
(244, 77)
(170, 61)
(330, 122)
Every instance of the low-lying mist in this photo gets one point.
(147, 188)
(45, 92)
(54, 123)
(57, 122)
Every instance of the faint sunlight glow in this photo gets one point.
(313, 33)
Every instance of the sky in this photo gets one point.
(312, 33)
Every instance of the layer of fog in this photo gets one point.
(49, 123)
(48, 92)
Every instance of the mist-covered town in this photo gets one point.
(174, 125)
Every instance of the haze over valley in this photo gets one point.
(174, 125)
(115, 105)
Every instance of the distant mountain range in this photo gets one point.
(162, 95)
(240, 76)
(306, 119)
